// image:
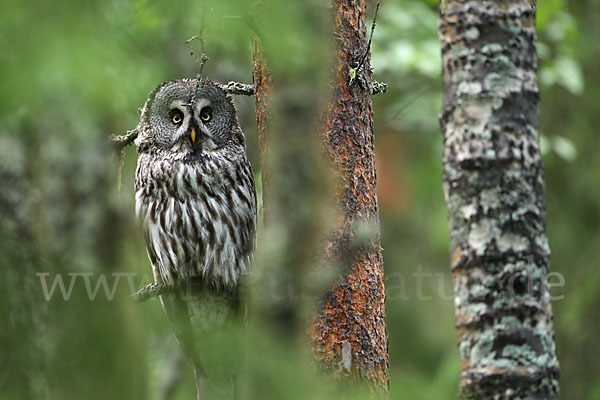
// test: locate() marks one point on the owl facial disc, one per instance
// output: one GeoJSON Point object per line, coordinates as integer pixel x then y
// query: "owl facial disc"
{"type": "Point", "coordinates": [187, 118]}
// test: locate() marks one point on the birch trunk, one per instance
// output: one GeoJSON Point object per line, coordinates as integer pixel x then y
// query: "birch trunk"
{"type": "Point", "coordinates": [494, 189]}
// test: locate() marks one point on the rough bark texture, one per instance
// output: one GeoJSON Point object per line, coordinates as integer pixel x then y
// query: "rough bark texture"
{"type": "Point", "coordinates": [494, 188]}
{"type": "Point", "coordinates": [350, 334]}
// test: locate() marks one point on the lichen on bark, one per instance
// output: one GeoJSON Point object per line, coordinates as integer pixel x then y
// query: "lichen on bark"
{"type": "Point", "coordinates": [494, 188]}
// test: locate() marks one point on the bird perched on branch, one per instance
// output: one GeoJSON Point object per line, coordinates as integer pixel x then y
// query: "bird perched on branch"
{"type": "Point", "coordinates": [196, 200]}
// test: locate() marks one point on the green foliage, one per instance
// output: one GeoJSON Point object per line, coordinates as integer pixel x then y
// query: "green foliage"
{"type": "Point", "coordinates": [558, 35]}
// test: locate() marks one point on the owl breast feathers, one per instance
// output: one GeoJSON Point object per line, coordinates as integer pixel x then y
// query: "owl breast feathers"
{"type": "Point", "coordinates": [195, 193]}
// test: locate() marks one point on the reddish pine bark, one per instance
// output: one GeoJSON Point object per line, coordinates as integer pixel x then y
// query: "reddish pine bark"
{"type": "Point", "coordinates": [350, 333]}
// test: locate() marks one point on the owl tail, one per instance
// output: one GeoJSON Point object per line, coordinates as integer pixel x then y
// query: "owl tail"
{"type": "Point", "coordinates": [202, 322]}
{"type": "Point", "coordinates": [177, 314]}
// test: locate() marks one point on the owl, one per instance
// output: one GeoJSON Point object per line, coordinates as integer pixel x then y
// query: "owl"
{"type": "Point", "coordinates": [194, 187]}
{"type": "Point", "coordinates": [195, 198]}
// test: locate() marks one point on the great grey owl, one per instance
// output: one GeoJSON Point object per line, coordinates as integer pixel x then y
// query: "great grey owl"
{"type": "Point", "coordinates": [195, 197]}
{"type": "Point", "coordinates": [194, 186]}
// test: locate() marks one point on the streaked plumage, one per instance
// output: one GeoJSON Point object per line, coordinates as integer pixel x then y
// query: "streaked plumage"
{"type": "Point", "coordinates": [197, 200]}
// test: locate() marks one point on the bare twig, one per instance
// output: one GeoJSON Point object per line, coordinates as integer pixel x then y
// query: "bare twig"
{"type": "Point", "coordinates": [203, 57]}
{"type": "Point", "coordinates": [356, 67]}
{"type": "Point", "coordinates": [192, 39]}
{"type": "Point", "coordinates": [362, 60]}
{"type": "Point", "coordinates": [408, 103]}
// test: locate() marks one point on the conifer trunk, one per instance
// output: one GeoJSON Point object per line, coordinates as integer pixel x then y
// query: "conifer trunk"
{"type": "Point", "coordinates": [350, 333]}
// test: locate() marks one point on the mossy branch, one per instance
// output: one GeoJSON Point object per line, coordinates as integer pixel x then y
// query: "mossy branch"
{"type": "Point", "coordinates": [122, 141]}
{"type": "Point", "coordinates": [238, 88]}
{"type": "Point", "coordinates": [151, 290]}
{"type": "Point", "coordinates": [189, 288]}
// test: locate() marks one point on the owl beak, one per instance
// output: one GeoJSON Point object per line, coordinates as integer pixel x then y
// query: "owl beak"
{"type": "Point", "coordinates": [193, 134]}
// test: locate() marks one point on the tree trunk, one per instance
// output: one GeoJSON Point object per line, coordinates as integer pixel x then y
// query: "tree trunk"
{"type": "Point", "coordinates": [261, 77]}
{"type": "Point", "coordinates": [494, 189]}
{"type": "Point", "coordinates": [350, 334]}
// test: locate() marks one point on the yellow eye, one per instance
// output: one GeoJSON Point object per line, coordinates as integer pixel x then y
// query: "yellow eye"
{"type": "Point", "coordinates": [205, 116]}
{"type": "Point", "coordinates": [176, 118]}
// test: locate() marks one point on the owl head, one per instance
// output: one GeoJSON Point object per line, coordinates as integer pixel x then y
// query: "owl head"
{"type": "Point", "coordinates": [185, 117]}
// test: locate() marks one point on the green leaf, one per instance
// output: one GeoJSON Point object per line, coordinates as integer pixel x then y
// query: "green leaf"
{"type": "Point", "coordinates": [565, 72]}
{"type": "Point", "coordinates": [564, 148]}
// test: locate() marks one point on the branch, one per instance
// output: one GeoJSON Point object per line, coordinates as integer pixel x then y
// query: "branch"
{"type": "Point", "coordinates": [242, 89]}
{"type": "Point", "coordinates": [238, 88]}
{"type": "Point", "coordinates": [235, 88]}
{"type": "Point", "coordinates": [187, 288]}
{"type": "Point", "coordinates": [151, 290]}
{"type": "Point", "coordinates": [120, 142]}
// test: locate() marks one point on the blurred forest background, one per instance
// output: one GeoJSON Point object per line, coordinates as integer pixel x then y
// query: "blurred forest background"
{"type": "Point", "coordinates": [73, 73]}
